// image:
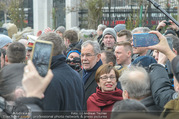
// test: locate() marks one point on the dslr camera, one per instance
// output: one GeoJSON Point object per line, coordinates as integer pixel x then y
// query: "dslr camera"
{"type": "Point", "coordinates": [75, 63]}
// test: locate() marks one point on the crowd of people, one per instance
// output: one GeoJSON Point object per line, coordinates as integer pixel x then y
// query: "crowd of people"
{"type": "Point", "coordinates": [105, 73]}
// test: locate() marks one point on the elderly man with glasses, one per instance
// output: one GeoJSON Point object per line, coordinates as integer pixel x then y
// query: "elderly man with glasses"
{"type": "Point", "coordinates": [90, 60]}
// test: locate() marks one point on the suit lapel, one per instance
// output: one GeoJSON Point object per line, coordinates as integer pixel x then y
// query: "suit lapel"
{"type": "Point", "coordinates": [90, 80]}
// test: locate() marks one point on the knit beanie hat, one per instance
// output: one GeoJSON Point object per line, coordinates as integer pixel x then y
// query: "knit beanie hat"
{"type": "Point", "coordinates": [4, 40]}
{"type": "Point", "coordinates": [61, 29]}
{"type": "Point", "coordinates": [119, 27]}
{"type": "Point", "coordinates": [110, 31]}
{"type": "Point", "coordinates": [144, 61]}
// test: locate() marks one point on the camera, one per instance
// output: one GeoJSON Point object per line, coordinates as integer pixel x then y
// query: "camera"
{"type": "Point", "coordinates": [167, 23]}
{"type": "Point", "coordinates": [75, 63]}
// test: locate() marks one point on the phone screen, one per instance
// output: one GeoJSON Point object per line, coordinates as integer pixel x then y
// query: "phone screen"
{"type": "Point", "coordinates": [145, 39]}
{"type": "Point", "coordinates": [41, 57]}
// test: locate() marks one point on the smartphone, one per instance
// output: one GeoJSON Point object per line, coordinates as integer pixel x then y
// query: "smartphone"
{"type": "Point", "coordinates": [167, 23]}
{"type": "Point", "coordinates": [41, 56]}
{"type": "Point", "coordinates": [145, 39]}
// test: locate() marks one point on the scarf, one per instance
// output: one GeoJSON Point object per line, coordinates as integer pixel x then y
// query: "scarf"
{"type": "Point", "coordinates": [102, 99]}
{"type": "Point", "coordinates": [87, 73]}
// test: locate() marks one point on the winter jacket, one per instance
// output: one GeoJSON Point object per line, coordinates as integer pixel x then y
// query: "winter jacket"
{"type": "Point", "coordinates": [150, 104]}
{"type": "Point", "coordinates": [66, 90]}
{"type": "Point", "coordinates": [161, 87]}
{"type": "Point", "coordinates": [89, 81]}
{"type": "Point", "coordinates": [171, 110]}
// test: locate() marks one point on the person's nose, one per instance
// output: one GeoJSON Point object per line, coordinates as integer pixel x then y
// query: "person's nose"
{"type": "Point", "coordinates": [108, 79]}
{"type": "Point", "coordinates": [83, 57]}
{"type": "Point", "coordinates": [132, 43]}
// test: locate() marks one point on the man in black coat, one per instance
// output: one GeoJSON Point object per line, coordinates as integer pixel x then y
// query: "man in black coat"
{"type": "Point", "coordinates": [90, 60]}
{"type": "Point", "coordinates": [161, 87]}
{"type": "Point", "coordinates": [66, 90]}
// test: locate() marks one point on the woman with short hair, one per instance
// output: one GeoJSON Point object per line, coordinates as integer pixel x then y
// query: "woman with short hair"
{"type": "Point", "coordinates": [106, 93]}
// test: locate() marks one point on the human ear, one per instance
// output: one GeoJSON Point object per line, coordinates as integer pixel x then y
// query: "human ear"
{"type": "Point", "coordinates": [174, 51]}
{"type": "Point", "coordinates": [19, 92]}
{"type": "Point", "coordinates": [125, 95]}
{"type": "Point", "coordinates": [111, 63]}
{"type": "Point", "coordinates": [99, 85]}
{"type": "Point", "coordinates": [98, 57]}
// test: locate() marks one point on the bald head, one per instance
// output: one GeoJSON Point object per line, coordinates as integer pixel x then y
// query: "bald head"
{"type": "Point", "coordinates": [136, 82]}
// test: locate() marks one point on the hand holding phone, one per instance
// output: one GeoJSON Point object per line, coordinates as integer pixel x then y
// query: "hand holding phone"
{"type": "Point", "coordinates": [32, 79]}
{"type": "Point", "coordinates": [145, 40]}
{"type": "Point", "coordinates": [162, 46]}
{"type": "Point", "coordinates": [41, 56]}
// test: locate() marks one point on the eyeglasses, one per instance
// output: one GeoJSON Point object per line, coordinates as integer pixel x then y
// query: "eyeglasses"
{"type": "Point", "coordinates": [88, 55]}
{"type": "Point", "coordinates": [105, 78]}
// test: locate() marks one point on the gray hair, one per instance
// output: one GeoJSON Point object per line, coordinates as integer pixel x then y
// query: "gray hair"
{"type": "Point", "coordinates": [141, 29]}
{"type": "Point", "coordinates": [76, 29]}
{"type": "Point", "coordinates": [128, 105]}
{"type": "Point", "coordinates": [137, 87]}
{"type": "Point", "coordinates": [101, 27]}
{"type": "Point", "coordinates": [95, 45]}
{"type": "Point", "coordinates": [56, 40]}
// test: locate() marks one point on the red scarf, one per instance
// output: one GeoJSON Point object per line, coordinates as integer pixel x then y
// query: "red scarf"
{"type": "Point", "coordinates": [103, 99]}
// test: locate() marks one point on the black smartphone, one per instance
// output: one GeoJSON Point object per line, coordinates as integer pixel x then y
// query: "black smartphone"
{"type": "Point", "coordinates": [41, 56]}
{"type": "Point", "coordinates": [145, 40]}
{"type": "Point", "coordinates": [167, 23]}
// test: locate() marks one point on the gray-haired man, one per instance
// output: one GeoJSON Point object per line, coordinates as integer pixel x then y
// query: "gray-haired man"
{"type": "Point", "coordinates": [90, 60]}
{"type": "Point", "coordinates": [135, 83]}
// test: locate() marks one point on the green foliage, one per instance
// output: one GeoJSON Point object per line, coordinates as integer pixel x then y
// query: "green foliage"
{"type": "Point", "coordinates": [4, 5]}
{"type": "Point", "coordinates": [154, 27]}
{"type": "Point", "coordinates": [16, 13]}
{"type": "Point", "coordinates": [94, 13]}
{"type": "Point", "coordinates": [174, 16]}
{"type": "Point", "coordinates": [129, 22]}
{"type": "Point", "coordinates": [133, 20]}
{"type": "Point", "coordinates": [137, 18]}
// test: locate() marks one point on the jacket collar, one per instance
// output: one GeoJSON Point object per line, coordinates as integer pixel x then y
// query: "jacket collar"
{"type": "Point", "coordinates": [56, 60]}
